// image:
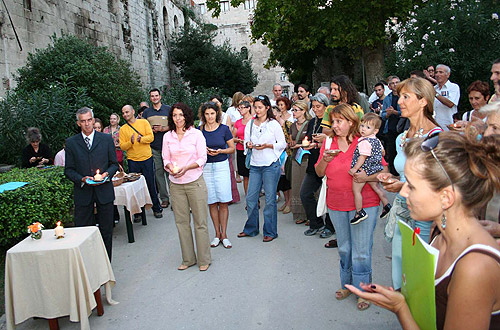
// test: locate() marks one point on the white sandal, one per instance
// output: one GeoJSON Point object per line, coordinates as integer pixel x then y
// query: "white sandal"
{"type": "Point", "coordinates": [215, 242]}
{"type": "Point", "coordinates": [226, 243]}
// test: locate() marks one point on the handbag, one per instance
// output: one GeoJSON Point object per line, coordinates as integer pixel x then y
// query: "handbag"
{"type": "Point", "coordinates": [249, 151]}
{"type": "Point", "coordinates": [322, 209]}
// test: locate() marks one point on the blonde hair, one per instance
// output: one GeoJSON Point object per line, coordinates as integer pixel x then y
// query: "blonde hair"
{"type": "Point", "coordinates": [372, 118]}
{"type": "Point", "coordinates": [302, 105]}
{"type": "Point", "coordinates": [423, 89]}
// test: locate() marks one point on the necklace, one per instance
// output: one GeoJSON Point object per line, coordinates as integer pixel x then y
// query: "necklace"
{"type": "Point", "coordinates": [418, 134]}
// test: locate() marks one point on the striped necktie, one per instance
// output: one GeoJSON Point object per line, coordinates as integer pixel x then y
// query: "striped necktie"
{"type": "Point", "coordinates": [87, 141]}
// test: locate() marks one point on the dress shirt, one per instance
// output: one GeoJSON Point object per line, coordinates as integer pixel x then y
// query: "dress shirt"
{"type": "Point", "coordinates": [271, 132]}
{"type": "Point", "coordinates": [91, 137]}
{"type": "Point", "coordinates": [192, 148]}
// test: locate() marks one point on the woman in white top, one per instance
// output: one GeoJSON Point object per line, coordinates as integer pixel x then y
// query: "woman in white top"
{"type": "Point", "coordinates": [265, 140]}
{"type": "Point", "coordinates": [449, 177]}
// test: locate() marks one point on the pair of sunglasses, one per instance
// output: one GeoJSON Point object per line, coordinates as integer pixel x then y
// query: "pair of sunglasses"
{"type": "Point", "coordinates": [429, 144]}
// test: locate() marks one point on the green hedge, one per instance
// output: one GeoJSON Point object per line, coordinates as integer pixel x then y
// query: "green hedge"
{"type": "Point", "coordinates": [48, 198]}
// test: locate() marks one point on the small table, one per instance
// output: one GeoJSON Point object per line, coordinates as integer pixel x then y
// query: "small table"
{"type": "Point", "coordinates": [51, 278]}
{"type": "Point", "coordinates": [134, 196]}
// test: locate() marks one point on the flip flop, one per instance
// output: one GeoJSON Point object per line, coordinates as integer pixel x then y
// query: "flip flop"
{"type": "Point", "coordinates": [215, 242]}
{"type": "Point", "coordinates": [226, 243]}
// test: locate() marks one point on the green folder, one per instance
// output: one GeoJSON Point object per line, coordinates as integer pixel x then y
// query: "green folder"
{"type": "Point", "coordinates": [419, 270]}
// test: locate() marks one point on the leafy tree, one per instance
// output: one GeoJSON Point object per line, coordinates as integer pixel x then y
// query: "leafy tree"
{"type": "Point", "coordinates": [51, 110]}
{"type": "Point", "coordinates": [203, 64]}
{"type": "Point", "coordinates": [300, 32]}
{"type": "Point", "coordinates": [463, 34]}
{"type": "Point", "coordinates": [109, 82]}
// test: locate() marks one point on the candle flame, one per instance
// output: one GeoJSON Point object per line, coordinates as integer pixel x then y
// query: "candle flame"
{"type": "Point", "coordinates": [58, 223]}
{"type": "Point", "coordinates": [97, 172]}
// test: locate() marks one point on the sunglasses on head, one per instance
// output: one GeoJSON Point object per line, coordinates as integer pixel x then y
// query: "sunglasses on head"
{"type": "Point", "coordinates": [261, 97]}
{"type": "Point", "coordinates": [429, 144]}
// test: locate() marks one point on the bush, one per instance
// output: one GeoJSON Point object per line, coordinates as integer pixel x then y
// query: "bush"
{"type": "Point", "coordinates": [179, 92]}
{"type": "Point", "coordinates": [110, 82]}
{"type": "Point", "coordinates": [48, 198]}
{"type": "Point", "coordinates": [52, 110]}
{"type": "Point", "coordinates": [462, 34]}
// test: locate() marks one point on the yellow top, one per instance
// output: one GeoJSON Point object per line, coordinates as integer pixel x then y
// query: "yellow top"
{"type": "Point", "coordinates": [326, 117]}
{"type": "Point", "coordinates": [137, 151]}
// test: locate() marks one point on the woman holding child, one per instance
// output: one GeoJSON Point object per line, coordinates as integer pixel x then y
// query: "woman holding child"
{"type": "Point", "coordinates": [354, 241]}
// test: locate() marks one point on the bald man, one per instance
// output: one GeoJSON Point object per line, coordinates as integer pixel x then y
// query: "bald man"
{"type": "Point", "coordinates": [135, 138]}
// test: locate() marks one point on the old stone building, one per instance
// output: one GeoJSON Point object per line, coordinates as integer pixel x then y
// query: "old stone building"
{"type": "Point", "coordinates": [234, 25]}
{"type": "Point", "coordinates": [136, 30]}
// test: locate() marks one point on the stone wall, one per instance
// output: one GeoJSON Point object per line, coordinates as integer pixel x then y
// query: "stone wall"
{"type": "Point", "coordinates": [234, 26]}
{"type": "Point", "coordinates": [136, 30]}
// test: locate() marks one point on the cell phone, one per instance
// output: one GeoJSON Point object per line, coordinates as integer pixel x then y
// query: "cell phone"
{"type": "Point", "coordinates": [211, 150]}
{"type": "Point", "coordinates": [257, 145]}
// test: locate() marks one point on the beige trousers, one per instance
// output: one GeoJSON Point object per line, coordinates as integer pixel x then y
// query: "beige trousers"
{"type": "Point", "coordinates": [192, 196]}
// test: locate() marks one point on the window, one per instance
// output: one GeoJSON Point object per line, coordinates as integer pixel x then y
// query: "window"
{"type": "Point", "coordinates": [244, 52]}
{"type": "Point", "coordinates": [165, 23]}
{"type": "Point", "coordinates": [27, 4]}
{"type": "Point", "coordinates": [176, 24]}
{"type": "Point", "coordinates": [283, 76]}
{"type": "Point", "coordinates": [249, 4]}
{"type": "Point", "coordinates": [224, 6]}
{"type": "Point", "coordinates": [203, 8]}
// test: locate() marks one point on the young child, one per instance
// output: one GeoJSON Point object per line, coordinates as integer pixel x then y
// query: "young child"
{"type": "Point", "coordinates": [368, 157]}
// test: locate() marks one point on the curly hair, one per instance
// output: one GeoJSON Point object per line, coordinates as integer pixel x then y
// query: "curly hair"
{"type": "Point", "coordinates": [186, 112]}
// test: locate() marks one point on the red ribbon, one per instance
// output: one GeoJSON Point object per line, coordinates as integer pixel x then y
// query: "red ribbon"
{"type": "Point", "coordinates": [416, 231]}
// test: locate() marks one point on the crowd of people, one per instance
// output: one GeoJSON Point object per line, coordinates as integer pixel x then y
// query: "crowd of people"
{"type": "Point", "coordinates": [408, 140]}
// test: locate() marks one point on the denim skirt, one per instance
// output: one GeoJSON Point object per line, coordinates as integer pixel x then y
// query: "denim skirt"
{"type": "Point", "coordinates": [218, 179]}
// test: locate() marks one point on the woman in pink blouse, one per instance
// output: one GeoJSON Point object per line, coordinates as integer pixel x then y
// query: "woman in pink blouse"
{"type": "Point", "coordinates": [184, 155]}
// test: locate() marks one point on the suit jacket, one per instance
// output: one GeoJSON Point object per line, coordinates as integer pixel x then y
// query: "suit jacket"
{"type": "Point", "coordinates": [81, 162]}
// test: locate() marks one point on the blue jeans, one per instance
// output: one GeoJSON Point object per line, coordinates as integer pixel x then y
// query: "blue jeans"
{"type": "Point", "coordinates": [355, 245]}
{"type": "Point", "coordinates": [146, 167]}
{"type": "Point", "coordinates": [267, 176]}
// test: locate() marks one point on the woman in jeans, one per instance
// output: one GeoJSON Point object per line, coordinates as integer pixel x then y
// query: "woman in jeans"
{"type": "Point", "coordinates": [216, 171]}
{"type": "Point", "coordinates": [354, 242]}
{"type": "Point", "coordinates": [416, 101]}
{"type": "Point", "coordinates": [184, 155]}
{"type": "Point", "coordinates": [264, 138]}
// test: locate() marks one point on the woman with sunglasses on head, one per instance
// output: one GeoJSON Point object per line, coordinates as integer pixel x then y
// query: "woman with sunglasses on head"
{"type": "Point", "coordinates": [298, 132]}
{"type": "Point", "coordinates": [449, 177]}
{"type": "Point", "coordinates": [265, 140]}
{"type": "Point", "coordinates": [416, 99]}
{"type": "Point", "coordinates": [216, 172]}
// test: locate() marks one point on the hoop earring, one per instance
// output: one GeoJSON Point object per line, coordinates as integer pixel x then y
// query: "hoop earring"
{"type": "Point", "coordinates": [443, 221]}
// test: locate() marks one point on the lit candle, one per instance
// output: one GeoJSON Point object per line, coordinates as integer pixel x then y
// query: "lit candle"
{"type": "Point", "coordinates": [175, 168]}
{"type": "Point", "coordinates": [59, 231]}
{"type": "Point", "coordinates": [305, 142]}
{"type": "Point", "coordinates": [97, 176]}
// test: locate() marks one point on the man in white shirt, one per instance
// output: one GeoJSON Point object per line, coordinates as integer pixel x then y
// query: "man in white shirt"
{"type": "Point", "coordinates": [447, 97]}
{"type": "Point", "coordinates": [277, 91]}
{"type": "Point", "coordinates": [495, 79]}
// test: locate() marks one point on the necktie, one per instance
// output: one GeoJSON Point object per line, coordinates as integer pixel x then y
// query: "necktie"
{"type": "Point", "coordinates": [87, 141]}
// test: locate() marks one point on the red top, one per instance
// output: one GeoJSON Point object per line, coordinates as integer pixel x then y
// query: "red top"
{"type": "Point", "coordinates": [339, 196]}
{"type": "Point", "coordinates": [240, 133]}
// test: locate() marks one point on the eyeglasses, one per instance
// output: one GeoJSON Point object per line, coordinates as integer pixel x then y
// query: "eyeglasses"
{"type": "Point", "coordinates": [429, 144]}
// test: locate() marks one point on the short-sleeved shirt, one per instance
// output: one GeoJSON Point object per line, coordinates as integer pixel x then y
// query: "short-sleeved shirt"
{"type": "Point", "coordinates": [444, 115]}
{"type": "Point", "coordinates": [217, 140]}
{"type": "Point", "coordinates": [358, 110]}
{"type": "Point", "coordinates": [240, 133]}
{"type": "Point", "coordinates": [150, 112]}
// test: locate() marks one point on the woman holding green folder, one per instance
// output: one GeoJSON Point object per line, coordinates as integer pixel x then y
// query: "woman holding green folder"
{"type": "Point", "coordinates": [449, 177]}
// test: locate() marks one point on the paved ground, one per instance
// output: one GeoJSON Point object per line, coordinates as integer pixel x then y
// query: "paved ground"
{"type": "Point", "coordinates": [286, 284]}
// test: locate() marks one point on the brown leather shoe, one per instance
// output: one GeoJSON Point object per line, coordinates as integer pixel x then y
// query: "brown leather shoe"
{"type": "Point", "coordinates": [267, 239]}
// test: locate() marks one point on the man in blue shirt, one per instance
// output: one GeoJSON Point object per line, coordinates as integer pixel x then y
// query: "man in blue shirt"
{"type": "Point", "coordinates": [161, 112]}
{"type": "Point", "coordinates": [390, 114]}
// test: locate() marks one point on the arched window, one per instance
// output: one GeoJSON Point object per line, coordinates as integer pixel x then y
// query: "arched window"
{"type": "Point", "coordinates": [165, 23]}
{"type": "Point", "coordinates": [244, 52]}
{"type": "Point", "coordinates": [176, 24]}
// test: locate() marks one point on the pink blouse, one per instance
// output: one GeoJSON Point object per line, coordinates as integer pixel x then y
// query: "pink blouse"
{"type": "Point", "coordinates": [240, 133]}
{"type": "Point", "coordinates": [192, 148]}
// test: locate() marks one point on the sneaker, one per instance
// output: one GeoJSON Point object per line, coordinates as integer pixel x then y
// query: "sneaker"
{"type": "Point", "coordinates": [360, 216]}
{"type": "Point", "coordinates": [385, 211]}
{"type": "Point", "coordinates": [312, 232]}
{"type": "Point", "coordinates": [326, 233]}
{"type": "Point", "coordinates": [137, 218]}
{"type": "Point", "coordinates": [158, 215]}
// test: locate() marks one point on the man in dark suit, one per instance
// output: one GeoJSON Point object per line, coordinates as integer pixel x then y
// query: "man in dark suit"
{"type": "Point", "coordinates": [86, 153]}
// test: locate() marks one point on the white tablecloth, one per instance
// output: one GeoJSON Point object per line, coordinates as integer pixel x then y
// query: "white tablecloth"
{"type": "Point", "coordinates": [133, 195]}
{"type": "Point", "coordinates": [51, 277]}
